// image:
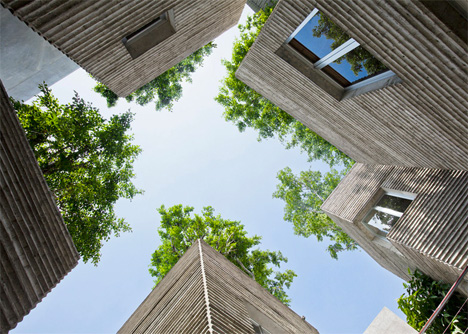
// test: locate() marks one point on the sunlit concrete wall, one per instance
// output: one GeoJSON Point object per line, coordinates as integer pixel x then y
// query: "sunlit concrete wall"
{"type": "Point", "coordinates": [27, 60]}
{"type": "Point", "coordinates": [387, 322]}
{"type": "Point", "coordinates": [432, 233]}
{"type": "Point", "coordinates": [205, 293]}
{"type": "Point", "coordinates": [420, 122]}
{"type": "Point", "coordinates": [91, 32]}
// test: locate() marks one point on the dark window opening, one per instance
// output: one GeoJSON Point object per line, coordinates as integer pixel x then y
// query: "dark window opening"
{"type": "Point", "coordinates": [150, 34]}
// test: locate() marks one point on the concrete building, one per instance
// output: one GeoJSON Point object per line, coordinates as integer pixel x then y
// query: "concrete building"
{"type": "Point", "coordinates": [205, 293]}
{"type": "Point", "coordinates": [411, 111]}
{"type": "Point", "coordinates": [387, 322]}
{"type": "Point", "coordinates": [36, 250]}
{"type": "Point", "coordinates": [406, 217]}
{"type": "Point", "coordinates": [126, 44]}
{"type": "Point", "coordinates": [27, 60]}
{"type": "Point", "coordinates": [256, 5]}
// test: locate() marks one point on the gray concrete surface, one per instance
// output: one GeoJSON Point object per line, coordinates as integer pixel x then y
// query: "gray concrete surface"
{"type": "Point", "coordinates": [387, 322]}
{"type": "Point", "coordinates": [26, 59]}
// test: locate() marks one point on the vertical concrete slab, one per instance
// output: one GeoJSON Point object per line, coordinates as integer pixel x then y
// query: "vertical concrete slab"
{"type": "Point", "coordinates": [387, 322]}
{"type": "Point", "coordinates": [27, 60]}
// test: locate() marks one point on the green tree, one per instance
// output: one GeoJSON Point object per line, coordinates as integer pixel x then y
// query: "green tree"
{"type": "Point", "coordinates": [166, 88]}
{"type": "Point", "coordinates": [87, 163]}
{"type": "Point", "coordinates": [423, 296]}
{"type": "Point", "coordinates": [304, 195]}
{"type": "Point", "coordinates": [179, 229]}
{"type": "Point", "coordinates": [246, 108]}
{"type": "Point", "coordinates": [358, 58]}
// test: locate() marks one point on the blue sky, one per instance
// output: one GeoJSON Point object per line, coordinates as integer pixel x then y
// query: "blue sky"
{"type": "Point", "coordinates": [193, 157]}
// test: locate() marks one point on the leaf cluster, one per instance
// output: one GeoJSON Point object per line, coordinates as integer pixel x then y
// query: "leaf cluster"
{"type": "Point", "coordinates": [87, 163]}
{"type": "Point", "coordinates": [304, 195]}
{"type": "Point", "coordinates": [166, 89]}
{"type": "Point", "coordinates": [247, 109]}
{"type": "Point", "coordinates": [423, 295]}
{"type": "Point", "coordinates": [179, 229]}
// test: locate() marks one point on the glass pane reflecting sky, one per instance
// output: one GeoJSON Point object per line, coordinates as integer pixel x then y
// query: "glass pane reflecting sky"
{"type": "Point", "coordinates": [320, 46]}
{"type": "Point", "coordinates": [383, 221]}
{"type": "Point", "coordinates": [344, 68]}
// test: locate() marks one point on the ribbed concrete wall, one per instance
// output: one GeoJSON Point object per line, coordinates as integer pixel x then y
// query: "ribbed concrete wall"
{"type": "Point", "coordinates": [36, 250]}
{"type": "Point", "coordinates": [432, 235]}
{"type": "Point", "coordinates": [91, 32]}
{"type": "Point", "coordinates": [437, 222]}
{"type": "Point", "coordinates": [256, 5]}
{"type": "Point", "coordinates": [421, 122]}
{"type": "Point", "coordinates": [205, 293]}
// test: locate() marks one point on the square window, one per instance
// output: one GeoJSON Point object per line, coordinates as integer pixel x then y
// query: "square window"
{"type": "Point", "coordinates": [329, 50]}
{"type": "Point", "coordinates": [150, 35]}
{"type": "Point", "coordinates": [387, 211]}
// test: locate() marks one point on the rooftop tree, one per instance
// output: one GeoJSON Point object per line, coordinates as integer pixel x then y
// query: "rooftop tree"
{"type": "Point", "coordinates": [246, 108]}
{"type": "Point", "coordinates": [304, 194]}
{"type": "Point", "coordinates": [87, 162]}
{"type": "Point", "coordinates": [179, 229]}
{"type": "Point", "coordinates": [423, 295]}
{"type": "Point", "coordinates": [166, 88]}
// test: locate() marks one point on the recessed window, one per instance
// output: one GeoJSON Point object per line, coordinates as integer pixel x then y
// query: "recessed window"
{"type": "Point", "coordinates": [150, 35]}
{"type": "Point", "coordinates": [387, 211]}
{"type": "Point", "coordinates": [332, 52]}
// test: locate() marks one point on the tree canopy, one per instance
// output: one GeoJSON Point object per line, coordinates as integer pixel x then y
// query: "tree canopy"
{"type": "Point", "coordinates": [358, 58]}
{"type": "Point", "coordinates": [304, 195]}
{"type": "Point", "coordinates": [246, 108]}
{"type": "Point", "coordinates": [179, 229]}
{"type": "Point", "coordinates": [166, 88]}
{"type": "Point", "coordinates": [87, 163]}
{"type": "Point", "coordinates": [423, 295]}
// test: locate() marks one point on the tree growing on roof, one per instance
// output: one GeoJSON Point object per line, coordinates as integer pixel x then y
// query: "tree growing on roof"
{"type": "Point", "coordinates": [248, 109]}
{"type": "Point", "coordinates": [423, 295]}
{"type": "Point", "coordinates": [304, 194]}
{"type": "Point", "coordinates": [87, 162]}
{"type": "Point", "coordinates": [179, 229]}
{"type": "Point", "coordinates": [166, 88]}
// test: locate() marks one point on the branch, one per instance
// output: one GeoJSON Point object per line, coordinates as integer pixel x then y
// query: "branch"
{"type": "Point", "coordinates": [246, 270]}
{"type": "Point", "coordinates": [175, 249]}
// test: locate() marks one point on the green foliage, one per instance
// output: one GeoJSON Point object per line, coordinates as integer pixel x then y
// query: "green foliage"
{"type": "Point", "coordinates": [423, 296]}
{"type": "Point", "coordinates": [179, 229]}
{"type": "Point", "coordinates": [246, 108]}
{"type": "Point", "coordinates": [166, 88]}
{"type": "Point", "coordinates": [358, 58]}
{"type": "Point", "coordinates": [304, 195]}
{"type": "Point", "coordinates": [87, 163]}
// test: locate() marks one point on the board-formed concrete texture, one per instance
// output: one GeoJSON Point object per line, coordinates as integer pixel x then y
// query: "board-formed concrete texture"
{"type": "Point", "coordinates": [432, 233]}
{"type": "Point", "coordinates": [205, 293]}
{"type": "Point", "coordinates": [27, 60]}
{"type": "Point", "coordinates": [387, 322]}
{"type": "Point", "coordinates": [420, 122]}
{"type": "Point", "coordinates": [36, 250]}
{"type": "Point", "coordinates": [257, 5]}
{"type": "Point", "coordinates": [91, 32]}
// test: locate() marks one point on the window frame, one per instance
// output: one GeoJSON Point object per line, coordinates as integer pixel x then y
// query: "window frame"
{"type": "Point", "coordinates": [389, 192]}
{"type": "Point", "coordinates": [328, 81]}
